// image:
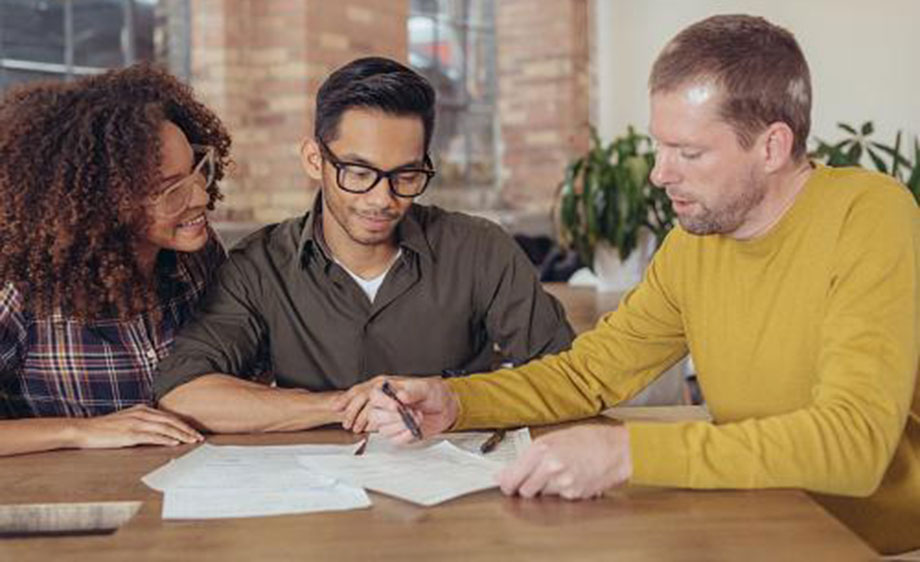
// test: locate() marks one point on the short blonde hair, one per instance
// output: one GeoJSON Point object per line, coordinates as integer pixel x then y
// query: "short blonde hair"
{"type": "Point", "coordinates": [759, 67]}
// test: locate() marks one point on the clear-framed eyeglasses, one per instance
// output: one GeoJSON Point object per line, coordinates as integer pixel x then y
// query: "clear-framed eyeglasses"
{"type": "Point", "coordinates": [405, 181]}
{"type": "Point", "coordinates": [174, 198]}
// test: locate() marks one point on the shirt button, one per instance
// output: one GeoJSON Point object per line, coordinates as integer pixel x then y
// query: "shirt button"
{"type": "Point", "coordinates": [151, 354]}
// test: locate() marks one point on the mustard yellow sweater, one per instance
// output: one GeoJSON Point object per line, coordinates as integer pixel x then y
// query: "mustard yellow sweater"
{"type": "Point", "coordinates": [806, 346]}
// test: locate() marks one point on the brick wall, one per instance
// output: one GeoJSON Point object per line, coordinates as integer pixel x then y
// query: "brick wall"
{"type": "Point", "coordinates": [543, 92]}
{"type": "Point", "coordinates": [258, 63]}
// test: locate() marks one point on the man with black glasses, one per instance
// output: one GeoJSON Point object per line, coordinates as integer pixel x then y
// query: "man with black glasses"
{"type": "Point", "coordinates": [365, 283]}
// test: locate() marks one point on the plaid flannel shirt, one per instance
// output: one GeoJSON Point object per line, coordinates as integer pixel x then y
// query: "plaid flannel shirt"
{"type": "Point", "coordinates": [58, 366]}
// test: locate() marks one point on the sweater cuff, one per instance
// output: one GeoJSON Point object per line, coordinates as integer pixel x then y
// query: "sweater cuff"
{"type": "Point", "coordinates": [659, 454]}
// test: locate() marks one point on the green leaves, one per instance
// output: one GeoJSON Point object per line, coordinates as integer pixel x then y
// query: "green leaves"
{"type": "Point", "coordinates": [913, 181]}
{"type": "Point", "coordinates": [606, 195]}
{"type": "Point", "coordinates": [886, 159]}
{"type": "Point", "coordinates": [877, 161]}
{"type": "Point", "coordinates": [848, 128]}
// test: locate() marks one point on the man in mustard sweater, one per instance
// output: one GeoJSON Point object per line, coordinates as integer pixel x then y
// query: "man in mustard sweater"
{"type": "Point", "coordinates": [793, 286]}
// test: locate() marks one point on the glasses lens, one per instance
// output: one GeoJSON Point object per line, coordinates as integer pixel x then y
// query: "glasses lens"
{"type": "Point", "coordinates": [410, 182]}
{"type": "Point", "coordinates": [176, 199]}
{"type": "Point", "coordinates": [356, 178]}
{"type": "Point", "coordinates": [204, 166]}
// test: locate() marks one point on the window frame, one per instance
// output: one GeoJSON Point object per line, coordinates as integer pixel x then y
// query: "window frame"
{"type": "Point", "coordinates": [67, 70]}
{"type": "Point", "coordinates": [456, 15]}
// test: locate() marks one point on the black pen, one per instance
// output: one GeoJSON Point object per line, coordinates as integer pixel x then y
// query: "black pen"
{"type": "Point", "coordinates": [403, 412]}
{"type": "Point", "coordinates": [492, 441]}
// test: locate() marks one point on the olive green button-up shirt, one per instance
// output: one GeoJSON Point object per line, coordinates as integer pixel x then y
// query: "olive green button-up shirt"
{"type": "Point", "coordinates": [460, 286]}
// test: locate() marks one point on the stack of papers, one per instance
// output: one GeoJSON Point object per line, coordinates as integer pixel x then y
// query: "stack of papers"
{"type": "Point", "coordinates": [507, 450]}
{"type": "Point", "coordinates": [426, 476]}
{"type": "Point", "coordinates": [215, 482]}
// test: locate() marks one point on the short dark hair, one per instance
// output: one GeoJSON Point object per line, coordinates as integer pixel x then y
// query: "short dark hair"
{"type": "Point", "coordinates": [758, 65]}
{"type": "Point", "coordinates": [373, 83]}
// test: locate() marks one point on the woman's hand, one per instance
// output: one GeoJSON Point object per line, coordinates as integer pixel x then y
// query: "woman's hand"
{"type": "Point", "coordinates": [137, 425]}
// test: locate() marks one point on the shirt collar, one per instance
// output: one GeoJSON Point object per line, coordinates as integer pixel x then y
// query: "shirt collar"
{"type": "Point", "coordinates": [412, 236]}
{"type": "Point", "coordinates": [409, 233]}
{"type": "Point", "coordinates": [309, 241]}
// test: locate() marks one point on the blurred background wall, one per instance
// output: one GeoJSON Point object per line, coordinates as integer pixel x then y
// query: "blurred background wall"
{"type": "Point", "coordinates": [862, 57]}
{"type": "Point", "coordinates": [519, 81]}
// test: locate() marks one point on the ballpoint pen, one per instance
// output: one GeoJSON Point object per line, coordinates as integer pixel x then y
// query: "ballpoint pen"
{"type": "Point", "coordinates": [492, 441]}
{"type": "Point", "coordinates": [403, 412]}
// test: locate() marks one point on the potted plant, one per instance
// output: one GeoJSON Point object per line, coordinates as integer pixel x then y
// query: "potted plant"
{"type": "Point", "coordinates": [851, 150]}
{"type": "Point", "coordinates": [609, 211]}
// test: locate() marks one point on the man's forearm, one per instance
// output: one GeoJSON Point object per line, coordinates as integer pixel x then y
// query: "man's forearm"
{"type": "Point", "coordinates": [226, 404]}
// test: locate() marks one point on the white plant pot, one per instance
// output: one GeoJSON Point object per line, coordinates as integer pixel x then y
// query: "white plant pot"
{"type": "Point", "coordinates": [614, 274]}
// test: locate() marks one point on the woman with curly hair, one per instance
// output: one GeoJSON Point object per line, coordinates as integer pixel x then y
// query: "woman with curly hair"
{"type": "Point", "coordinates": [105, 250]}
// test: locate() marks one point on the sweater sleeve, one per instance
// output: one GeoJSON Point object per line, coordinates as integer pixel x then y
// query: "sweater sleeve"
{"type": "Point", "coordinates": [625, 352]}
{"type": "Point", "coordinates": [843, 441]}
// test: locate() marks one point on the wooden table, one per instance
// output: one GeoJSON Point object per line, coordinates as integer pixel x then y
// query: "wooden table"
{"type": "Point", "coordinates": [628, 524]}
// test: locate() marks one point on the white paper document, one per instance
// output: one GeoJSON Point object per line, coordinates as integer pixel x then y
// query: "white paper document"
{"type": "Point", "coordinates": [203, 503]}
{"type": "Point", "coordinates": [214, 466]}
{"type": "Point", "coordinates": [426, 476]}
{"type": "Point", "coordinates": [508, 449]}
{"type": "Point", "coordinates": [230, 481]}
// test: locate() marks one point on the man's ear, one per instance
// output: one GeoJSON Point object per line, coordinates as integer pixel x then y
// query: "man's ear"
{"type": "Point", "coordinates": [311, 159]}
{"type": "Point", "coordinates": [778, 146]}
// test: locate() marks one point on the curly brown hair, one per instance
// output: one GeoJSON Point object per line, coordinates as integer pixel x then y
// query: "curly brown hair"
{"type": "Point", "coordinates": [77, 162]}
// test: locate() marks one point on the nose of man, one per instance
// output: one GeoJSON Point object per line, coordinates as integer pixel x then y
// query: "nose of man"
{"type": "Point", "coordinates": [380, 198]}
{"type": "Point", "coordinates": [663, 173]}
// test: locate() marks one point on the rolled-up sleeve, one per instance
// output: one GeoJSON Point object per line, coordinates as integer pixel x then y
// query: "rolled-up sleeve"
{"type": "Point", "coordinates": [224, 335]}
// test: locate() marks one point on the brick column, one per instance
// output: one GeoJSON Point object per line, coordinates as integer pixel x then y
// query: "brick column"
{"type": "Point", "coordinates": [543, 92]}
{"type": "Point", "coordinates": [258, 63]}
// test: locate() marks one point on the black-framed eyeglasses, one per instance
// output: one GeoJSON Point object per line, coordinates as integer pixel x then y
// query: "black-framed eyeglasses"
{"type": "Point", "coordinates": [405, 181]}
